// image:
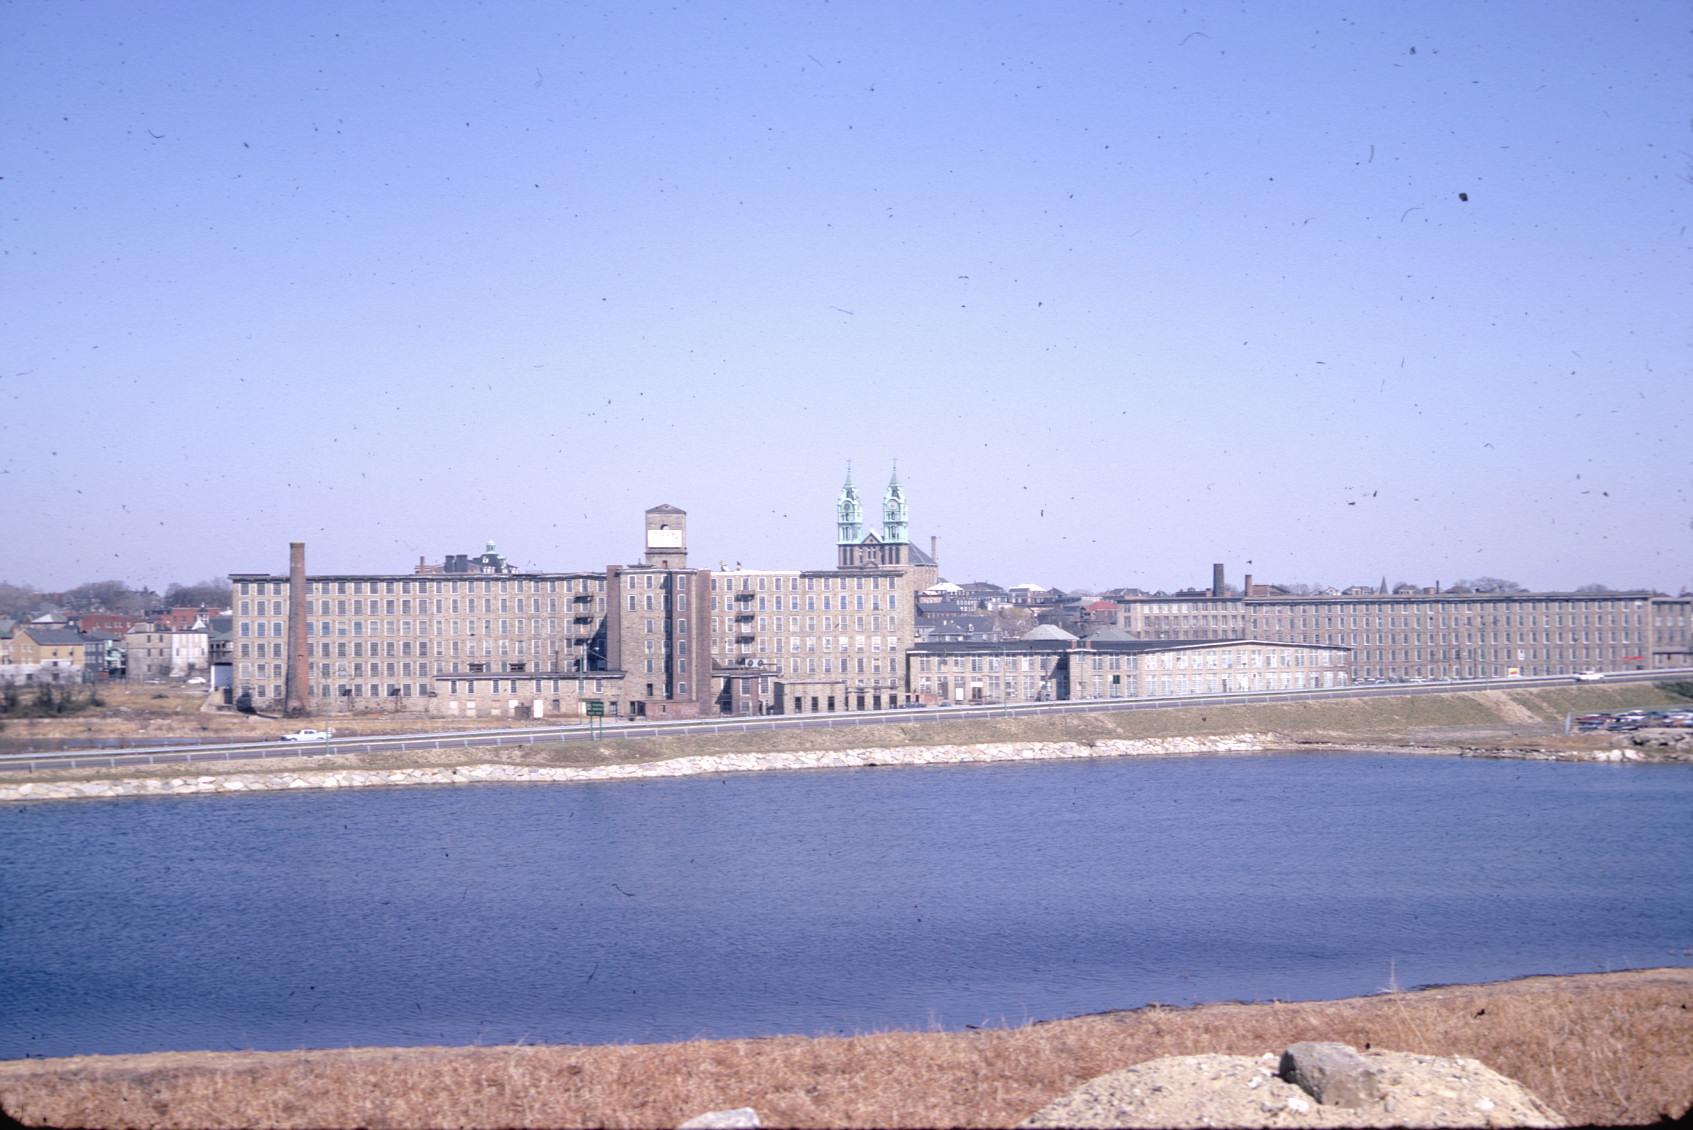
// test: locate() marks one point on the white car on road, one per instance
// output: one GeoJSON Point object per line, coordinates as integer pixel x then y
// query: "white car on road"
{"type": "Point", "coordinates": [309, 736]}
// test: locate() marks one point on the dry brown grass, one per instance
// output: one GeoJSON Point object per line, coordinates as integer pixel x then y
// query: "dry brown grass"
{"type": "Point", "coordinates": [144, 711]}
{"type": "Point", "coordinates": [1493, 717]}
{"type": "Point", "coordinates": [156, 711]}
{"type": "Point", "coordinates": [1609, 1048]}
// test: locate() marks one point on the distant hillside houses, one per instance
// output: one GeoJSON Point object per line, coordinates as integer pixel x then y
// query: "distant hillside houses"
{"type": "Point", "coordinates": [172, 644]}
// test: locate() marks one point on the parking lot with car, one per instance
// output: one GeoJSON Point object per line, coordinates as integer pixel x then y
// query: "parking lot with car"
{"type": "Point", "coordinates": [1622, 720]}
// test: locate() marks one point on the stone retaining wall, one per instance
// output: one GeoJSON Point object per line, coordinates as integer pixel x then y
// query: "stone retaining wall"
{"type": "Point", "coordinates": [674, 767]}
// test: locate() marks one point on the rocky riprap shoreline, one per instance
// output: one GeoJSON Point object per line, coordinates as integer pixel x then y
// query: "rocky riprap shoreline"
{"type": "Point", "coordinates": [1639, 748]}
{"type": "Point", "coordinates": [696, 765]}
{"type": "Point", "coordinates": [1636, 748]}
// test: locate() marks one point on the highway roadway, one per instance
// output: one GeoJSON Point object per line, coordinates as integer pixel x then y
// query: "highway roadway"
{"type": "Point", "coordinates": [178, 753]}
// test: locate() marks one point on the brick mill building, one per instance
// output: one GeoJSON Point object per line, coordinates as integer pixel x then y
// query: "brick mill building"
{"type": "Point", "coordinates": [476, 637]}
{"type": "Point", "coordinates": [1429, 634]}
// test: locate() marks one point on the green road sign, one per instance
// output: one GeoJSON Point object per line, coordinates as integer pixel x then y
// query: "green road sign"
{"type": "Point", "coordinates": [596, 708]}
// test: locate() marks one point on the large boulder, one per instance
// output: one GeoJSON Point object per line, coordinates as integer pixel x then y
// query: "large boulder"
{"type": "Point", "coordinates": [1333, 1074]}
{"type": "Point", "coordinates": [1222, 1090]}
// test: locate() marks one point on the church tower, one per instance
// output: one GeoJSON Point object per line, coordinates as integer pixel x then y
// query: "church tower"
{"type": "Point", "coordinates": [879, 547]}
{"type": "Point", "coordinates": [849, 514]}
{"type": "Point", "coordinates": [894, 519]}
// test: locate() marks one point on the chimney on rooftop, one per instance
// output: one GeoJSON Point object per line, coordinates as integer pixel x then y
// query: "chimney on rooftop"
{"type": "Point", "coordinates": [1246, 586]}
{"type": "Point", "coordinates": [298, 686]}
{"type": "Point", "coordinates": [934, 549]}
{"type": "Point", "coordinates": [1217, 579]}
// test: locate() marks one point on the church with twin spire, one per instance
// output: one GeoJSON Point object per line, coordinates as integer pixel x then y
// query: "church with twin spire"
{"type": "Point", "coordinates": [859, 548]}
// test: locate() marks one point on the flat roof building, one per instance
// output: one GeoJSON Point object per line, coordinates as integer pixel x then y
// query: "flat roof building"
{"type": "Point", "coordinates": [658, 638]}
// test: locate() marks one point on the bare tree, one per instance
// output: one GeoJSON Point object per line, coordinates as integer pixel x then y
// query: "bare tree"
{"type": "Point", "coordinates": [1595, 587]}
{"type": "Point", "coordinates": [19, 601]}
{"type": "Point", "coordinates": [212, 593]}
{"type": "Point", "coordinates": [105, 596]}
{"type": "Point", "coordinates": [1012, 621]}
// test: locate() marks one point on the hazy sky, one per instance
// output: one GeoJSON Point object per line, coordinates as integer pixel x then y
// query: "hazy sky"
{"type": "Point", "coordinates": [1126, 288]}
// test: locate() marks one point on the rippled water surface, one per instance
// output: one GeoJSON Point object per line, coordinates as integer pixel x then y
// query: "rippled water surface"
{"type": "Point", "coordinates": [828, 901]}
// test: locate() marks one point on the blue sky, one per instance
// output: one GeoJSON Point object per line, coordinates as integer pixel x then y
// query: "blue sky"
{"type": "Point", "coordinates": [1126, 289]}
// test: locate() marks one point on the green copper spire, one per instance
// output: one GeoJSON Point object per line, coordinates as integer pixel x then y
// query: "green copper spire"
{"type": "Point", "coordinates": [849, 514]}
{"type": "Point", "coordinates": [895, 521]}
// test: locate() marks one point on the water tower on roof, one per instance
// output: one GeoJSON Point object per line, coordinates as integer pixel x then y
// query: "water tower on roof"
{"type": "Point", "coordinates": [667, 537]}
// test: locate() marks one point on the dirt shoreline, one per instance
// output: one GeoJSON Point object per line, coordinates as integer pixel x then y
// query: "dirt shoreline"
{"type": "Point", "coordinates": [295, 773]}
{"type": "Point", "coordinates": [1521, 723]}
{"type": "Point", "coordinates": [1610, 1048]}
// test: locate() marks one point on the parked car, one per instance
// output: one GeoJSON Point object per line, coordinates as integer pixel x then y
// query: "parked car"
{"type": "Point", "coordinates": [1589, 676]}
{"type": "Point", "coordinates": [309, 736]}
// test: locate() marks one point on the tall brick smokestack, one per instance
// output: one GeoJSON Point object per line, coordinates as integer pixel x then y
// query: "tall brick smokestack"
{"type": "Point", "coordinates": [298, 687]}
{"type": "Point", "coordinates": [1246, 586]}
{"type": "Point", "coordinates": [934, 549]}
{"type": "Point", "coordinates": [1217, 580]}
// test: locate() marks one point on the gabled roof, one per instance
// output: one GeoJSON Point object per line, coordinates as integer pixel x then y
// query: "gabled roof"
{"type": "Point", "coordinates": [1048, 632]}
{"type": "Point", "coordinates": [52, 636]}
{"type": "Point", "coordinates": [919, 556]}
{"type": "Point", "coordinates": [967, 626]}
{"type": "Point", "coordinates": [1110, 634]}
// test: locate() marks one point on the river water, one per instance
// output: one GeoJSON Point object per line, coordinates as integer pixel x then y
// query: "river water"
{"type": "Point", "coordinates": [821, 902]}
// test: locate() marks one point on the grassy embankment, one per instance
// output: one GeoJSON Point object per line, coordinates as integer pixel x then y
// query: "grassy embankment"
{"type": "Point", "coordinates": [1602, 1049]}
{"type": "Point", "coordinates": [1503, 718]}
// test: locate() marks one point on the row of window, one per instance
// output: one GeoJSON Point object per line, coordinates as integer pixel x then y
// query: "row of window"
{"type": "Point", "coordinates": [1567, 636]}
{"type": "Point", "coordinates": [845, 665]}
{"type": "Point", "coordinates": [768, 604]}
{"type": "Point", "coordinates": [279, 586]}
{"type": "Point", "coordinates": [405, 607]}
{"type": "Point", "coordinates": [519, 686]}
{"type": "Point", "coordinates": [791, 583]}
{"type": "Point", "coordinates": [1210, 657]}
{"type": "Point", "coordinates": [320, 628]}
{"type": "Point", "coordinates": [1576, 614]}
{"type": "Point", "coordinates": [794, 645]}
{"type": "Point", "coordinates": [1468, 620]}
{"type": "Point", "coordinates": [1460, 655]}
{"type": "Point", "coordinates": [662, 604]}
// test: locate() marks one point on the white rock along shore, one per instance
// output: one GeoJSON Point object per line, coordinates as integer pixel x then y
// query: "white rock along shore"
{"type": "Point", "coordinates": [281, 780]}
{"type": "Point", "coordinates": [261, 780]}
